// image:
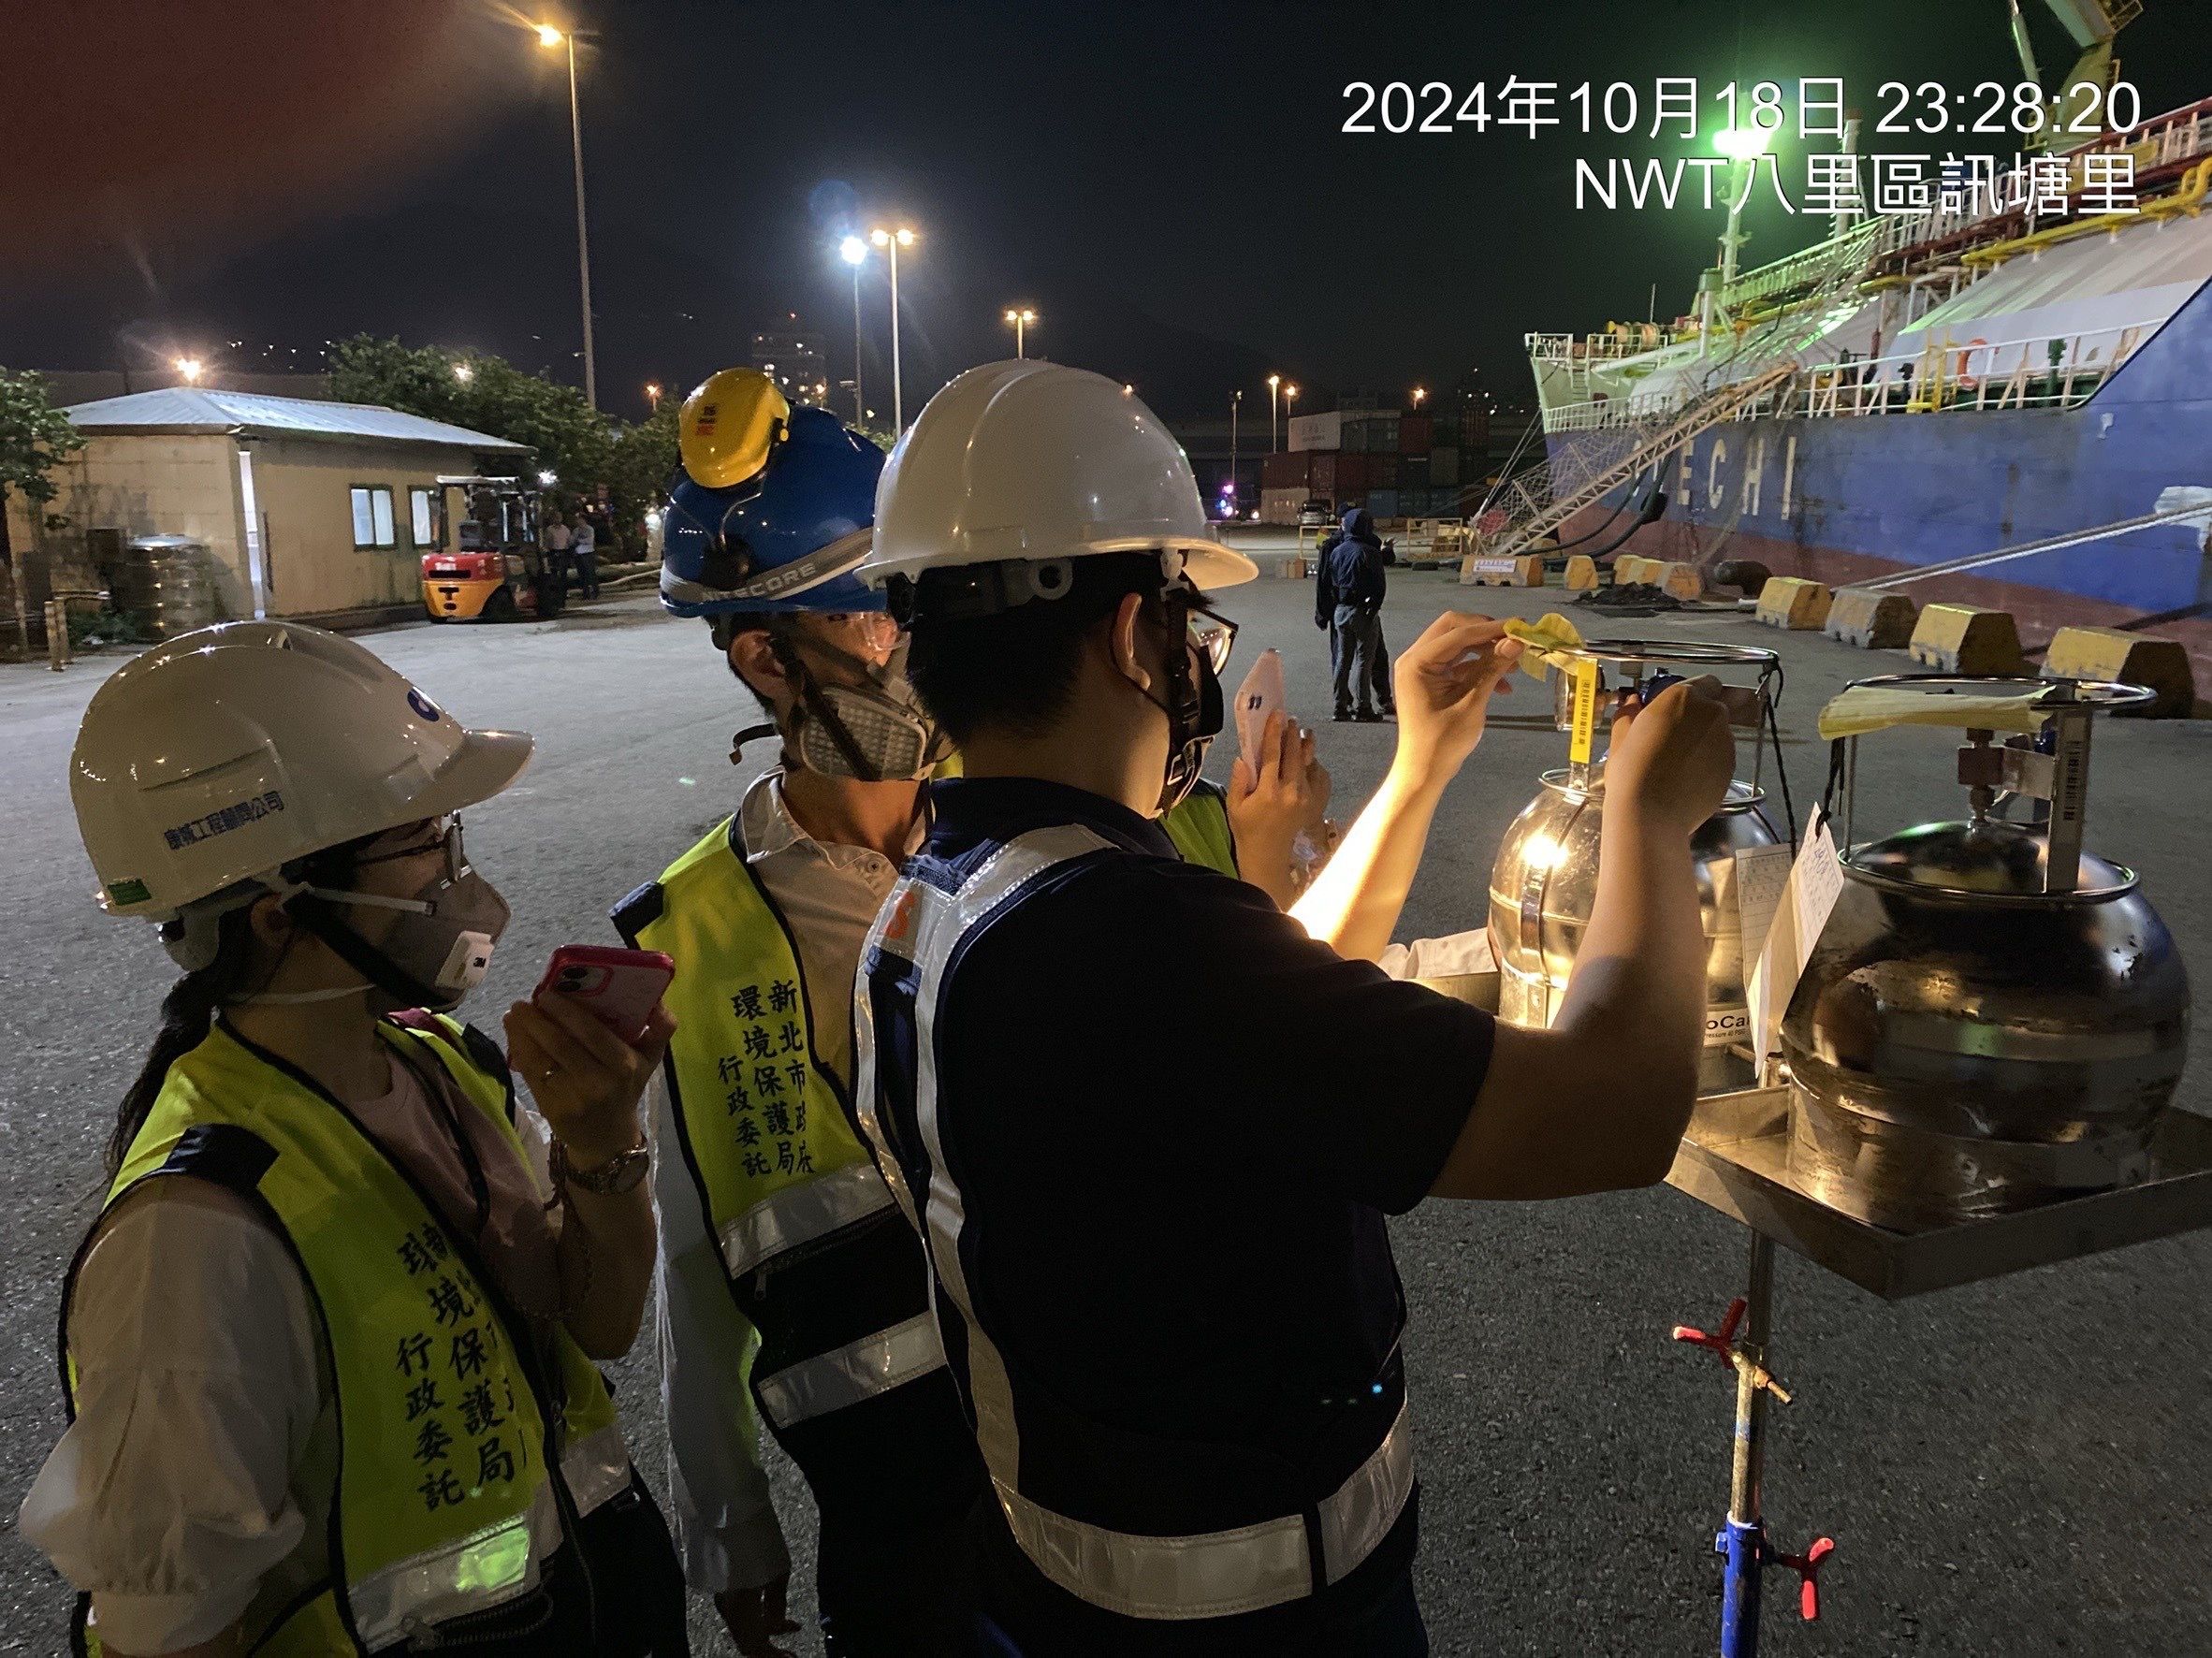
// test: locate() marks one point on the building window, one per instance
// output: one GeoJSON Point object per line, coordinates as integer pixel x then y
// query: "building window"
{"type": "Point", "coordinates": [373, 516]}
{"type": "Point", "coordinates": [422, 519]}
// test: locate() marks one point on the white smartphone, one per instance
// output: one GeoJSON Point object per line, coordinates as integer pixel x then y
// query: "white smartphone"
{"type": "Point", "coordinates": [1259, 696]}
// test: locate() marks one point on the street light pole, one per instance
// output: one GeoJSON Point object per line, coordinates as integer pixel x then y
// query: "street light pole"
{"type": "Point", "coordinates": [855, 252]}
{"type": "Point", "coordinates": [1236, 402]}
{"type": "Point", "coordinates": [891, 241]}
{"type": "Point", "coordinates": [1020, 317]}
{"type": "Point", "coordinates": [550, 36]}
{"type": "Point", "coordinates": [1274, 383]}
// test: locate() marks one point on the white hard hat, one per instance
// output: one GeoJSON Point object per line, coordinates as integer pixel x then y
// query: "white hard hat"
{"type": "Point", "coordinates": [230, 751]}
{"type": "Point", "coordinates": [1028, 461]}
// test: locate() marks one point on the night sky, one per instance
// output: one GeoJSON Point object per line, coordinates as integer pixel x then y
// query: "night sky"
{"type": "Point", "coordinates": [1167, 183]}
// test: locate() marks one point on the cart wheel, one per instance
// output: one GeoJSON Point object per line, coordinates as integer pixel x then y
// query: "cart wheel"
{"type": "Point", "coordinates": [501, 606]}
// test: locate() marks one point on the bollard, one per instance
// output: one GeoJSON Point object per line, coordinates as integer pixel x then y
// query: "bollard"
{"type": "Point", "coordinates": [1582, 573]}
{"type": "Point", "coordinates": [1633, 570]}
{"type": "Point", "coordinates": [2133, 659]}
{"type": "Point", "coordinates": [1525, 571]}
{"type": "Point", "coordinates": [1681, 581]}
{"type": "Point", "coordinates": [1794, 602]}
{"type": "Point", "coordinates": [1870, 619]}
{"type": "Point", "coordinates": [1966, 639]}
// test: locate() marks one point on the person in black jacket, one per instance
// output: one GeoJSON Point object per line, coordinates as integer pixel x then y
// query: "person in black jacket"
{"type": "Point", "coordinates": [1352, 585]}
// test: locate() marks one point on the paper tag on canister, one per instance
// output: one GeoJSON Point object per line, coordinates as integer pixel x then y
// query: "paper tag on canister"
{"type": "Point", "coordinates": [1800, 913]}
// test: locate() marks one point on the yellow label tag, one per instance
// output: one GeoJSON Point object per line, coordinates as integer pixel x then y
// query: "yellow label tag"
{"type": "Point", "coordinates": [1585, 730]}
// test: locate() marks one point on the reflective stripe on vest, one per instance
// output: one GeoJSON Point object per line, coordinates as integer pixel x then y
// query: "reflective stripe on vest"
{"type": "Point", "coordinates": [798, 1214]}
{"type": "Point", "coordinates": [861, 1370]}
{"type": "Point", "coordinates": [1209, 1575]}
{"type": "Point", "coordinates": [445, 1505]}
{"type": "Point", "coordinates": [777, 1168]}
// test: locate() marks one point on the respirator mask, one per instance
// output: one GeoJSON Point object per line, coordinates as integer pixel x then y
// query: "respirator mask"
{"type": "Point", "coordinates": [1194, 703]}
{"type": "Point", "coordinates": [437, 948]}
{"type": "Point", "coordinates": [874, 729]}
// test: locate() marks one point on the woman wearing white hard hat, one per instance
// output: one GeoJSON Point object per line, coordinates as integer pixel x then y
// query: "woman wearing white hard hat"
{"type": "Point", "coordinates": [328, 1348]}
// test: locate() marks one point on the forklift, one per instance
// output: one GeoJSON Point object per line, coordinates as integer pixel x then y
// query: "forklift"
{"type": "Point", "coordinates": [494, 569]}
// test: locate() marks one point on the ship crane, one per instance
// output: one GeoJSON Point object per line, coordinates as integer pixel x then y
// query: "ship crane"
{"type": "Point", "coordinates": [2094, 24]}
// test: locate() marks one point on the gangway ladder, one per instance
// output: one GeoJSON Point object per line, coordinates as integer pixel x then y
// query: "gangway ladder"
{"type": "Point", "coordinates": [1722, 404]}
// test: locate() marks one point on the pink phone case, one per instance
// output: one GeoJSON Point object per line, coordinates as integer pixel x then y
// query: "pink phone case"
{"type": "Point", "coordinates": [620, 988]}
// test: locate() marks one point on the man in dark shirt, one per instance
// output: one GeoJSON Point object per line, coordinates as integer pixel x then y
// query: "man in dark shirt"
{"type": "Point", "coordinates": [1352, 578]}
{"type": "Point", "coordinates": [1098, 1083]}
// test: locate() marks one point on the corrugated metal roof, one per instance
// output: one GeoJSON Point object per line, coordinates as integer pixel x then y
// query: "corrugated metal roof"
{"type": "Point", "coordinates": [185, 407]}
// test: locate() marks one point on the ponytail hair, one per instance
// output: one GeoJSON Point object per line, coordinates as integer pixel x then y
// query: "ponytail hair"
{"type": "Point", "coordinates": [187, 1015]}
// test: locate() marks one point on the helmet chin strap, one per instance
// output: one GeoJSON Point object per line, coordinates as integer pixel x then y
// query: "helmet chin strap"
{"type": "Point", "coordinates": [320, 918]}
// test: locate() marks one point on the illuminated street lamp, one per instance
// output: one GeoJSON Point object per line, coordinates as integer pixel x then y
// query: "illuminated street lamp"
{"type": "Point", "coordinates": [464, 372]}
{"type": "Point", "coordinates": [653, 395]}
{"type": "Point", "coordinates": [1290, 397]}
{"type": "Point", "coordinates": [1420, 396]}
{"type": "Point", "coordinates": [551, 36]}
{"type": "Point", "coordinates": [1274, 387]}
{"type": "Point", "coordinates": [1019, 322]}
{"type": "Point", "coordinates": [190, 366]}
{"type": "Point", "coordinates": [891, 241]}
{"type": "Point", "coordinates": [855, 252]}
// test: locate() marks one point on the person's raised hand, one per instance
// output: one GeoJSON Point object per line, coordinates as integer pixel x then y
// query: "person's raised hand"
{"type": "Point", "coordinates": [1270, 801]}
{"type": "Point", "coordinates": [1443, 684]}
{"type": "Point", "coordinates": [587, 1081]}
{"type": "Point", "coordinates": [1671, 760]}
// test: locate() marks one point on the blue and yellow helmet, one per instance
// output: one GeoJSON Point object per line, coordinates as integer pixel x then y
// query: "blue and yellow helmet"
{"type": "Point", "coordinates": [787, 535]}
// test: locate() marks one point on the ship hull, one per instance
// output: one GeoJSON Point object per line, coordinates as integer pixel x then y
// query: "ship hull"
{"type": "Point", "coordinates": [1847, 499]}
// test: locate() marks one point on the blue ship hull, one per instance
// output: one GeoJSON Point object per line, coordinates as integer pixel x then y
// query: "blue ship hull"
{"type": "Point", "coordinates": [1846, 497]}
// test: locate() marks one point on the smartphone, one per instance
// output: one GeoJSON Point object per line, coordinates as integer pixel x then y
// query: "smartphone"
{"type": "Point", "coordinates": [1259, 696]}
{"type": "Point", "coordinates": [620, 988]}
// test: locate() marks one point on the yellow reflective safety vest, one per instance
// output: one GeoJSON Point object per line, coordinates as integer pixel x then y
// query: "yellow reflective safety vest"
{"type": "Point", "coordinates": [468, 1448]}
{"type": "Point", "coordinates": [1198, 826]}
{"type": "Point", "coordinates": [849, 1371]}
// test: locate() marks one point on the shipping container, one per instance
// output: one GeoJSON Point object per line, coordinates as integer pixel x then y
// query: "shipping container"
{"type": "Point", "coordinates": [1475, 431]}
{"type": "Point", "coordinates": [1382, 470]}
{"type": "Point", "coordinates": [1382, 503]}
{"type": "Point", "coordinates": [1280, 506]}
{"type": "Point", "coordinates": [1317, 432]}
{"type": "Point", "coordinates": [1443, 431]}
{"type": "Point", "coordinates": [1444, 467]}
{"type": "Point", "coordinates": [1413, 434]}
{"type": "Point", "coordinates": [1413, 471]}
{"type": "Point", "coordinates": [1284, 471]}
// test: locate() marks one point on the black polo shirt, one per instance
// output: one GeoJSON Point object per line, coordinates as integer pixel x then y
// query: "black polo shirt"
{"type": "Point", "coordinates": [1176, 1125]}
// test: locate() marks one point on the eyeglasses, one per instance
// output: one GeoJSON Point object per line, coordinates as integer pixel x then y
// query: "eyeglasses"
{"type": "Point", "coordinates": [877, 629]}
{"type": "Point", "coordinates": [1213, 635]}
{"type": "Point", "coordinates": [446, 837]}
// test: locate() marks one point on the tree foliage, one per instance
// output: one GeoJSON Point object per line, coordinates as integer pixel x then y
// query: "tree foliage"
{"type": "Point", "coordinates": [573, 441]}
{"type": "Point", "coordinates": [34, 435]}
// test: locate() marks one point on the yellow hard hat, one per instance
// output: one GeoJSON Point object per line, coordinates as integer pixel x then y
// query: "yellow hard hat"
{"type": "Point", "coordinates": [729, 425]}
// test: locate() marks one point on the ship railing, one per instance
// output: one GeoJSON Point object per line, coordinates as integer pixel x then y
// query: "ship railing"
{"type": "Point", "coordinates": [1614, 345]}
{"type": "Point", "coordinates": [1940, 375]}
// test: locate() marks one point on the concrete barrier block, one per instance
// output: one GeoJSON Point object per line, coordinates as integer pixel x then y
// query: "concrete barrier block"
{"type": "Point", "coordinates": [1966, 639]}
{"type": "Point", "coordinates": [1525, 570]}
{"type": "Point", "coordinates": [1631, 570]}
{"type": "Point", "coordinates": [1794, 602]}
{"type": "Point", "coordinates": [1872, 621]}
{"type": "Point", "coordinates": [1582, 573]}
{"type": "Point", "coordinates": [1681, 581]}
{"type": "Point", "coordinates": [2137, 659]}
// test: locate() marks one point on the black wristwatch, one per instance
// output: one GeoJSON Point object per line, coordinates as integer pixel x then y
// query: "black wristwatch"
{"type": "Point", "coordinates": [618, 1174]}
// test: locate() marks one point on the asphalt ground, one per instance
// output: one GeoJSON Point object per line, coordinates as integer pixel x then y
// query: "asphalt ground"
{"type": "Point", "coordinates": [2018, 1467]}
